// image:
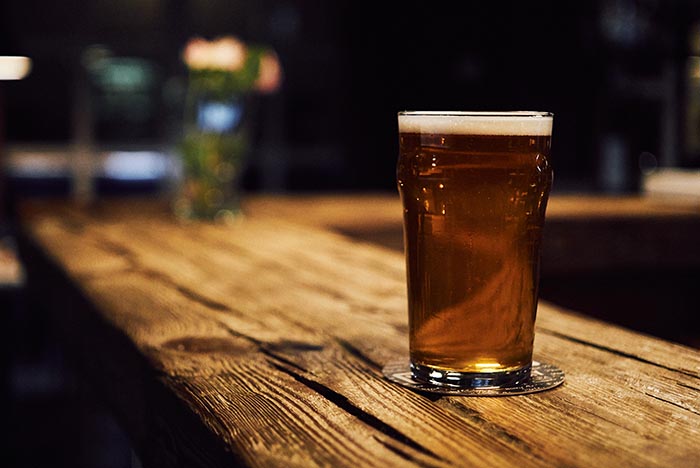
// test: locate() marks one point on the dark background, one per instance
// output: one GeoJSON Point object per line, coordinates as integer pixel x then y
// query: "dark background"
{"type": "Point", "coordinates": [614, 72]}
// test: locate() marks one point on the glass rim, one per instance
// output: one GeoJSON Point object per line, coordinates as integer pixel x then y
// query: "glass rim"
{"type": "Point", "coordinates": [489, 114]}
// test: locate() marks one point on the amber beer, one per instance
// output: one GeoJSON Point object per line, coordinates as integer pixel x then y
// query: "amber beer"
{"type": "Point", "coordinates": [474, 188]}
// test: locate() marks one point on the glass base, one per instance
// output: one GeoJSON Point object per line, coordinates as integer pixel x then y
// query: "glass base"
{"type": "Point", "coordinates": [188, 210]}
{"type": "Point", "coordinates": [442, 377]}
{"type": "Point", "coordinates": [535, 378]}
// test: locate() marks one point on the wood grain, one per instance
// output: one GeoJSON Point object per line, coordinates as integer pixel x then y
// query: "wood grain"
{"type": "Point", "coordinates": [583, 233]}
{"type": "Point", "coordinates": [261, 344]}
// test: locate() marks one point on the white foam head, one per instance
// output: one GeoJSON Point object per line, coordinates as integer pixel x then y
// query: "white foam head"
{"type": "Point", "coordinates": [476, 123]}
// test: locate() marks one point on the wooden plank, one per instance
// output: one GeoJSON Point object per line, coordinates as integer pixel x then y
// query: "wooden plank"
{"type": "Point", "coordinates": [583, 233]}
{"type": "Point", "coordinates": [11, 271]}
{"type": "Point", "coordinates": [381, 209]}
{"type": "Point", "coordinates": [272, 335]}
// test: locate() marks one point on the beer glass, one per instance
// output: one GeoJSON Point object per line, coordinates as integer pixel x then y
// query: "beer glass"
{"type": "Point", "coordinates": [474, 189]}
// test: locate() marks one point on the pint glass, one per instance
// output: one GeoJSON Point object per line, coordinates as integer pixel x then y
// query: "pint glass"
{"type": "Point", "coordinates": [474, 189]}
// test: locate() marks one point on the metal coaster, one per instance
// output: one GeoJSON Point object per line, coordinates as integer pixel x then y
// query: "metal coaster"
{"type": "Point", "coordinates": [542, 377]}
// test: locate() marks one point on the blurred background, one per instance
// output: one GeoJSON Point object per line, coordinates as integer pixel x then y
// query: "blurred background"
{"type": "Point", "coordinates": [107, 84]}
{"type": "Point", "coordinates": [621, 76]}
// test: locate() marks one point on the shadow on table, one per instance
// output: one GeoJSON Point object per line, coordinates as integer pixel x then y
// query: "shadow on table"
{"type": "Point", "coordinates": [661, 302]}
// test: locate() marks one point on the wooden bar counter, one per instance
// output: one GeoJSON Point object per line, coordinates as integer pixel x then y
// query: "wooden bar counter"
{"type": "Point", "coordinates": [261, 344]}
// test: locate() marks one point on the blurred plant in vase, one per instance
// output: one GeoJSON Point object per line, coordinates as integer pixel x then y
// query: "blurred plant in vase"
{"type": "Point", "coordinates": [224, 77]}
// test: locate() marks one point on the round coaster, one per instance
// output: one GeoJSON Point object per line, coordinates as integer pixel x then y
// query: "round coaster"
{"type": "Point", "coordinates": [542, 377]}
